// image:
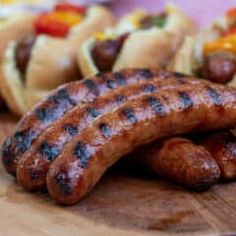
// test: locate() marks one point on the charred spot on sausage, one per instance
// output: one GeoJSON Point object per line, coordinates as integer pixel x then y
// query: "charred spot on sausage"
{"type": "Point", "coordinates": [23, 140]}
{"type": "Point", "coordinates": [70, 129]}
{"type": "Point", "coordinates": [186, 100]}
{"type": "Point", "coordinates": [120, 78]}
{"type": "Point", "coordinates": [62, 96]}
{"type": "Point", "coordinates": [179, 75]}
{"type": "Point", "coordinates": [35, 174]}
{"type": "Point", "coordinates": [44, 114]}
{"type": "Point", "coordinates": [120, 99]}
{"type": "Point", "coordinates": [149, 88]}
{"type": "Point", "coordinates": [63, 181]}
{"type": "Point", "coordinates": [82, 152]}
{"type": "Point", "coordinates": [156, 106]}
{"type": "Point", "coordinates": [48, 151]}
{"type": "Point", "coordinates": [92, 112]}
{"type": "Point", "coordinates": [146, 73]}
{"type": "Point", "coordinates": [89, 84]}
{"type": "Point", "coordinates": [130, 115]}
{"type": "Point", "coordinates": [110, 84]}
{"type": "Point", "coordinates": [214, 96]}
{"type": "Point", "coordinates": [105, 129]}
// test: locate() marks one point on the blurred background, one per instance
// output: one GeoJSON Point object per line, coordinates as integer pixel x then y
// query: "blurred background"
{"type": "Point", "coordinates": [203, 12]}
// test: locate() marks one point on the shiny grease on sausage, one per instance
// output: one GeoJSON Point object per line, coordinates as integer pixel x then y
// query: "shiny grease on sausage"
{"type": "Point", "coordinates": [179, 160]}
{"type": "Point", "coordinates": [222, 146]}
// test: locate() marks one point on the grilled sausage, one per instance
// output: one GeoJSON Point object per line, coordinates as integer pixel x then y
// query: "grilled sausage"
{"type": "Point", "coordinates": [219, 67]}
{"type": "Point", "coordinates": [104, 53]}
{"type": "Point", "coordinates": [34, 164]}
{"type": "Point", "coordinates": [181, 161]}
{"type": "Point", "coordinates": [63, 100]}
{"type": "Point", "coordinates": [222, 146]}
{"type": "Point", "coordinates": [88, 155]}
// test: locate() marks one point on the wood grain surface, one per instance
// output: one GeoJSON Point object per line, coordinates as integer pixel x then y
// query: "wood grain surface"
{"type": "Point", "coordinates": [125, 202]}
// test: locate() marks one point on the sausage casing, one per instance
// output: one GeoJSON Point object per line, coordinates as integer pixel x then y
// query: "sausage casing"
{"type": "Point", "coordinates": [181, 161]}
{"type": "Point", "coordinates": [88, 155]}
{"type": "Point", "coordinates": [63, 100]}
{"type": "Point", "coordinates": [222, 146]}
{"type": "Point", "coordinates": [33, 166]}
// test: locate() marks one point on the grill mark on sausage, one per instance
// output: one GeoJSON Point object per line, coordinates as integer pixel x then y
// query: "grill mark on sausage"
{"type": "Point", "coordinates": [130, 115]}
{"type": "Point", "coordinates": [149, 88]}
{"type": "Point", "coordinates": [120, 99]}
{"type": "Point", "coordinates": [105, 129]}
{"type": "Point", "coordinates": [93, 112]}
{"type": "Point", "coordinates": [90, 84]}
{"type": "Point", "coordinates": [48, 151]}
{"type": "Point", "coordinates": [111, 84]}
{"type": "Point", "coordinates": [156, 106]}
{"type": "Point", "coordinates": [179, 75]}
{"type": "Point", "coordinates": [214, 96]}
{"type": "Point", "coordinates": [82, 153]}
{"type": "Point", "coordinates": [23, 139]}
{"type": "Point", "coordinates": [62, 96]}
{"type": "Point", "coordinates": [120, 78]}
{"type": "Point", "coordinates": [186, 100]}
{"type": "Point", "coordinates": [44, 114]}
{"type": "Point", "coordinates": [146, 73]}
{"type": "Point", "coordinates": [35, 174]}
{"type": "Point", "coordinates": [70, 129]}
{"type": "Point", "coordinates": [63, 180]}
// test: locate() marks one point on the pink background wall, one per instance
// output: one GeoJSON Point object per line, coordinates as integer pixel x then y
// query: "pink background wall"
{"type": "Point", "coordinates": [202, 11]}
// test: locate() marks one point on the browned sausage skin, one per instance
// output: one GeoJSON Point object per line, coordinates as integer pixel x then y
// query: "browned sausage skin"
{"type": "Point", "coordinates": [34, 164]}
{"type": "Point", "coordinates": [219, 67]}
{"type": "Point", "coordinates": [83, 160]}
{"type": "Point", "coordinates": [23, 52]}
{"type": "Point", "coordinates": [222, 146]}
{"type": "Point", "coordinates": [181, 161]}
{"type": "Point", "coordinates": [60, 102]}
{"type": "Point", "coordinates": [105, 52]}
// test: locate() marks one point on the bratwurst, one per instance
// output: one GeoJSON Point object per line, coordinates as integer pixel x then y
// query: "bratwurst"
{"type": "Point", "coordinates": [148, 118]}
{"type": "Point", "coordinates": [179, 160]}
{"type": "Point", "coordinates": [34, 163]}
{"type": "Point", "coordinates": [63, 100]}
{"type": "Point", "coordinates": [222, 146]}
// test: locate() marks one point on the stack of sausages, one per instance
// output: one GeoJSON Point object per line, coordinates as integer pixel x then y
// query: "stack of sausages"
{"type": "Point", "coordinates": [69, 140]}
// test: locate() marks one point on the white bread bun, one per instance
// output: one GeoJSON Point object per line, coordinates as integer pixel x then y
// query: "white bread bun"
{"type": "Point", "coordinates": [151, 48]}
{"type": "Point", "coordinates": [52, 63]}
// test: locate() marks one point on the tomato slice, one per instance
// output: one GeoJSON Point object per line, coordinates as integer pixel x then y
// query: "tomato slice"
{"type": "Point", "coordinates": [43, 25]}
{"type": "Point", "coordinates": [67, 7]}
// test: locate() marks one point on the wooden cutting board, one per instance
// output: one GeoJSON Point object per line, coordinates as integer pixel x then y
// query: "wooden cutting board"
{"type": "Point", "coordinates": [123, 203]}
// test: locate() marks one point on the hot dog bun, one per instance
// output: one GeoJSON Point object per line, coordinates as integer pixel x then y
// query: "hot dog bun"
{"type": "Point", "coordinates": [189, 58]}
{"type": "Point", "coordinates": [52, 63]}
{"type": "Point", "coordinates": [151, 48]}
